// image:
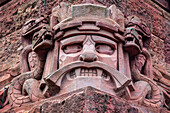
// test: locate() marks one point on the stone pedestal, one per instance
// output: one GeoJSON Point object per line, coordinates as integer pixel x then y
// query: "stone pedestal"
{"type": "Point", "coordinates": [86, 100]}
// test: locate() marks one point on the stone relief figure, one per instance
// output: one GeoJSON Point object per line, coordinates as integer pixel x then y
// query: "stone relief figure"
{"type": "Point", "coordinates": [141, 64]}
{"type": "Point", "coordinates": [24, 88]}
{"type": "Point", "coordinates": [90, 45]}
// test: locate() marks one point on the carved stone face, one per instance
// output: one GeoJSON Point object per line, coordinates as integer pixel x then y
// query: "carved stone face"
{"type": "Point", "coordinates": [87, 53]}
{"type": "Point", "coordinates": [88, 49]}
{"type": "Point", "coordinates": [140, 61]}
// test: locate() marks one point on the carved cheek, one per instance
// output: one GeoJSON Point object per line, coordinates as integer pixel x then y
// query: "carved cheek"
{"type": "Point", "coordinates": [107, 54]}
{"type": "Point", "coordinates": [65, 59]}
{"type": "Point", "coordinates": [110, 60]}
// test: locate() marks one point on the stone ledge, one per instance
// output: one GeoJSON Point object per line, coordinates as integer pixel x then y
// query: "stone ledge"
{"type": "Point", "coordinates": [85, 100]}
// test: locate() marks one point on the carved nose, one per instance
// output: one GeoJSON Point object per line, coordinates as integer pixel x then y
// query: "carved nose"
{"type": "Point", "coordinates": [88, 57]}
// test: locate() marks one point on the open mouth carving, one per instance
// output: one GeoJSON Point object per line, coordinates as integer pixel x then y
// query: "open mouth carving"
{"type": "Point", "coordinates": [88, 72]}
{"type": "Point", "coordinates": [42, 39]}
{"type": "Point", "coordinates": [33, 26]}
{"type": "Point", "coordinates": [45, 40]}
{"type": "Point", "coordinates": [132, 41]}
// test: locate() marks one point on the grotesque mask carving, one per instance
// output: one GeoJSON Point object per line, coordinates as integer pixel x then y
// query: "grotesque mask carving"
{"type": "Point", "coordinates": [136, 34]}
{"type": "Point", "coordinates": [88, 48]}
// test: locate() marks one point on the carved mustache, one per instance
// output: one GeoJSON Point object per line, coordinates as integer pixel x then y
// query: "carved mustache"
{"type": "Point", "coordinates": [120, 79]}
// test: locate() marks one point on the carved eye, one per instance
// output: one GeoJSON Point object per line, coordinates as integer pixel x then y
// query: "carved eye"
{"type": "Point", "coordinates": [74, 48]}
{"type": "Point", "coordinates": [104, 49]}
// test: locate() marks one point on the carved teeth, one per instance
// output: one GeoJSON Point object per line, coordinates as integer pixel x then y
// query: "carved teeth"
{"type": "Point", "coordinates": [99, 72]}
{"type": "Point", "coordinates": [82, 72]}
{"type": "Point", "coordinates": [77, 72]}
{"type": "Point", "coordinates": [94, 72]}
{"type": "Point", "coordinates": [88, 72]}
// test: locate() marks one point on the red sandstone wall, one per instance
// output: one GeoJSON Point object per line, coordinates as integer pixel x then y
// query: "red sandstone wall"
{"type": "Point", "coordinates": [14, 14]}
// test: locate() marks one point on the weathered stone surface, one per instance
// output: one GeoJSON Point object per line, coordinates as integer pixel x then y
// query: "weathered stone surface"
{"type": "Point", "coordinates": [5, 80]}
{"type": "Point", "coordinates": [157, 50]}
{"type": "Point", "coordinates": [2, 2]}
{"type": "Point", "coordinates": [9, 52]}
{"type": "Point", "coordinates": [167, 42]}
{"type": "Point", "coordinates": [85, 100]}
{"type": "Point", "coordinates": [15, 13]}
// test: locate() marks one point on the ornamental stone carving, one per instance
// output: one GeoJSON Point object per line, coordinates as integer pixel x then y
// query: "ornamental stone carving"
{"type": "Point", "coordinates": [87, 45]}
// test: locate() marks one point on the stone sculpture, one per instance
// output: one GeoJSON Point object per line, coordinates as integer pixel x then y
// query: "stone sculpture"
{"type": "Point", "coordinates": [89, 45]}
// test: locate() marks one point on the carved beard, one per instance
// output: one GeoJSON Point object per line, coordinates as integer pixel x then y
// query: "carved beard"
{"type": "Point", "coordinates": [78, 74]}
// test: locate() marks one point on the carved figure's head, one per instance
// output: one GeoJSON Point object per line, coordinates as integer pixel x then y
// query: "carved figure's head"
{"type": "Point", "coordinates": [140, 61]}
{"type": "Point", "coordinates": [34, 25]}
{"type": "Point", "coordinates": [88, 51]}
{"type": "Point", "coordinates": [137, 35]}
{"type": "Point", "coordinates": [42, 39]}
